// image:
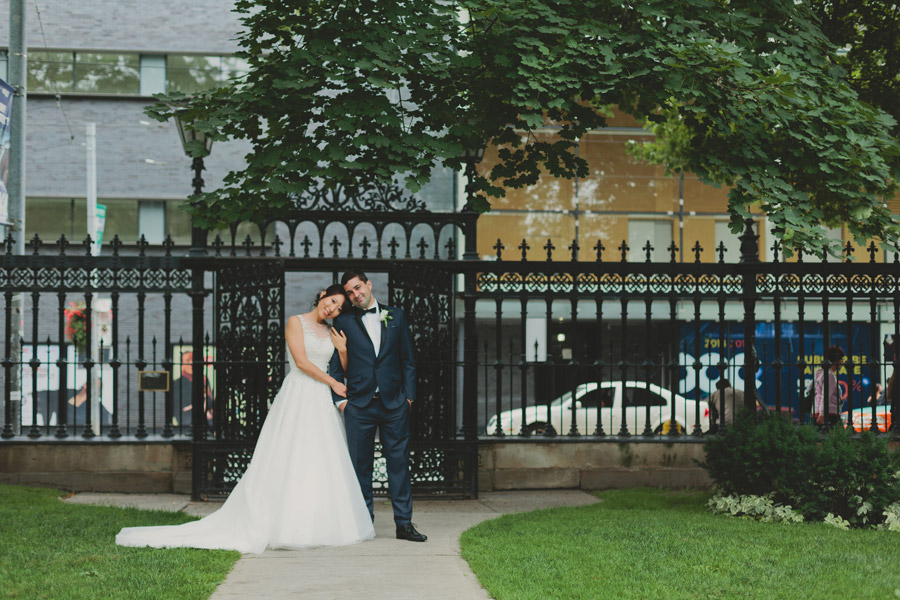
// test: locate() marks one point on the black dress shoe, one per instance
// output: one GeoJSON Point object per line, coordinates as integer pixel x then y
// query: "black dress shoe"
{"type": "Point", "coordinates": [408, 532]}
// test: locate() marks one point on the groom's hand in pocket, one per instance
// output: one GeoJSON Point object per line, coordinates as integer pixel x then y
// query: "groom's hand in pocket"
{"type": "Point", "coordinates": [342, 406]}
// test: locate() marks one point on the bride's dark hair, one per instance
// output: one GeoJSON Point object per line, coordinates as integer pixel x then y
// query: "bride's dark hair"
{"type": "Point", "coordinates": [332, 290]}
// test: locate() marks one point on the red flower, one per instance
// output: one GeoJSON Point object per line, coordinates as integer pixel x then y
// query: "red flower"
{"type": "Point", "coordinates": [76, 324]}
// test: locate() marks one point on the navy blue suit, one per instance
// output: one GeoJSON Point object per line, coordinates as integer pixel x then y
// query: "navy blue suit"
{"type": "Point", "coordinates": [393, 373]}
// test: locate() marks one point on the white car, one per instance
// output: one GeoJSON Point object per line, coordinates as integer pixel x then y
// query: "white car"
{"type": "Point", "coordinates": [642, 401]}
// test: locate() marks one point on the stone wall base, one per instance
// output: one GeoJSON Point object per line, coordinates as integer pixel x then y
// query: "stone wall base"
{"type": "Point", "coordinates": [133, 467]}
{"type": "Point", "coordinates": [165, 466]}
{"type": "Point", "coordinates": [590, 465]}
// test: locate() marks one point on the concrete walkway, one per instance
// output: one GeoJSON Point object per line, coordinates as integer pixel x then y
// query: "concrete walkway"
{"type": "Point", "coordinates": [383, 568]}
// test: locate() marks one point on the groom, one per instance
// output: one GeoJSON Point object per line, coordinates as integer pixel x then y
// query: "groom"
{"type": "Point", "coordinates": [381, 387]}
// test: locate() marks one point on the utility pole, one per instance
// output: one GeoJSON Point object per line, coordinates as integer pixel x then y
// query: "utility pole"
{"type": "Point", "coordinates": [18, 60]}
{"type": "Point", "coordinates": [18, 64]}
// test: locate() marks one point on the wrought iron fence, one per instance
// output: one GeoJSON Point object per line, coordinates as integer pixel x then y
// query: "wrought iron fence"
{"type": "Point", "coordinates": [637, 350]}
{"type": "Point", "coordinates": [65, 390]}
{"type": "Point", "coordinates": [557, 349]}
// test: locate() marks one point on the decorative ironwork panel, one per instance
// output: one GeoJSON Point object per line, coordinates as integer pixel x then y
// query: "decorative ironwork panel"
{"type": "Point", "coordinates": [375, 196]}
{"type": "Point", "coordinates": [426, 295]}
{"type": "Point", "coordinates": [221, 466]}
{"type": "Point", "coordinates": [249, 318]}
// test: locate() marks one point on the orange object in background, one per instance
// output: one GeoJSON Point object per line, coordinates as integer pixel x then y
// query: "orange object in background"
{"type": "Point", "coordinates": [861, 419]}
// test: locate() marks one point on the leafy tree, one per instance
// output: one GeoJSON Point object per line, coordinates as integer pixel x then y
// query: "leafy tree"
{"type": "Point", "coordinates": [341, 93]}
{"type": "Point", "coordinates": [869, 31]}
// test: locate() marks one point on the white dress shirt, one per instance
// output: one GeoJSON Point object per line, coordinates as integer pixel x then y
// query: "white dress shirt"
{"type": "Point", "coordinates": [372, 323]}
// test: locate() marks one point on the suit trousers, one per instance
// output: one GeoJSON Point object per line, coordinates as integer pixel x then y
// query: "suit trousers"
{"type": "Point", "coordinates": [392, 426]}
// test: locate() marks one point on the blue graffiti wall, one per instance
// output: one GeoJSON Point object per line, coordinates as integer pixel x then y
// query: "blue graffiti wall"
{"type": "Point", "coordinates": [707, 344]}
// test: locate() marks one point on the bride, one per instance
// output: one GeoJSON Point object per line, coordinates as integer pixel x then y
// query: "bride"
{"type": "Point", "coordinates": [300, 489]}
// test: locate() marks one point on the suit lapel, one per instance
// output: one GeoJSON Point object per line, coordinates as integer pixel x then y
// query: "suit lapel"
{"type": "Point", "coordinates": [383, 325]}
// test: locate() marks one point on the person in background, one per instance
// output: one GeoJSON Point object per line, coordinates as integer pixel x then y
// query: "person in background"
{"type": "Point", "coordinates": [828, 415]}
{"type": "Point", "coordinates": [725, 398]}
{"type": "Point", "coordinates": [182, 393]}
{"type": "Point", "coordinates": [877, 396]}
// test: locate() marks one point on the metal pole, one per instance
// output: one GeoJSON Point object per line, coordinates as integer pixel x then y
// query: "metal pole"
{"type": "Point", "coordinates": [470, 360]}
{"type": "Point", "coordinates": [749, 267]}
{"type": "Point", "coordinates": [198, 235]}
{"type": "Point", "coordinates": [198, 391]}
{"type": "Point", "coordinates": [90, 143]}
{"type": "Point", "coordinates": [18, 63]}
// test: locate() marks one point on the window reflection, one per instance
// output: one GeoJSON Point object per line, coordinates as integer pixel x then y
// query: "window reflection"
{"type": "Point", "coordinates": [51, 71]}
{"type": "Point", "coordinates": [121, 73]}
{"type": "Point", "coordinates": [189, 74]}
{"type": "Point", "coordinates": [107, 73]}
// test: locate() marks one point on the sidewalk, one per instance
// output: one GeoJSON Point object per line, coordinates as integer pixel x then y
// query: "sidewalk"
{"type": "Point", "coordinates": [383, 568]}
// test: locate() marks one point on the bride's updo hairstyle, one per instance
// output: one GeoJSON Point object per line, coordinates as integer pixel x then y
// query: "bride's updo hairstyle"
{"type": "Point", "coordinates": [332, 290]}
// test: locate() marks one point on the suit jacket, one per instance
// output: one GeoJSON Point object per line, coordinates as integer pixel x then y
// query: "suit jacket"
{"type": "Point", "coordinates": [392, 372]}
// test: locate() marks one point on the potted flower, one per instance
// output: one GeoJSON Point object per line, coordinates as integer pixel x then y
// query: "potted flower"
{"type": "Point", "coordinates": [76, 325]}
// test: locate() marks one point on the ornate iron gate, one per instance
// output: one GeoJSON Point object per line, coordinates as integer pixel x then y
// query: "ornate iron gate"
{"type": "Point", "coordinates": [361, 229]}
{"type": "Point", "coordinates": [440, 463]}
{"type": "Point", "coordinates": [249, 356]}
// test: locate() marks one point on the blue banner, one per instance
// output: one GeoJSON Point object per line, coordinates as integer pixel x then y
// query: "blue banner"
{"type": "Point", "coordinates": [856, 381]}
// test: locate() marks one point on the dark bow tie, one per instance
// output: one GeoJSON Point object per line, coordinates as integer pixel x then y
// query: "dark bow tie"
{"type": "Point", "coordinates": [372, 310]}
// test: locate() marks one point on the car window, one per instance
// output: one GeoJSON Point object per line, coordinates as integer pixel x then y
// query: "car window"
{"type": "Point", "coordinates": [600, 397]}
{"type": "Point", "coordinates": [643, 397]}
{"type": "Point", "coordinates": [564, 398]}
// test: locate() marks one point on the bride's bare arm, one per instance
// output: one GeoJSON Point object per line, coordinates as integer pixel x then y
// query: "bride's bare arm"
{"type": "Point", "coordinates": [293, 334]}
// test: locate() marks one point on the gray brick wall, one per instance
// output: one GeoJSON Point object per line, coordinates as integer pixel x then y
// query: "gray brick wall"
{"type": "Point", "coordinates": [126, 137]}
{"type": "Point", "coordinates": [160, 26]}
{"type": "Point", "coordinates": [55, 159]}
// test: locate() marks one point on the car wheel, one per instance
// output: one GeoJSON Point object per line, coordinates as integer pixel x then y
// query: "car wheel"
{"type": "Point", "coordinates": [666, 428]}
{"type": "Point", "coordinates": [536, 428]}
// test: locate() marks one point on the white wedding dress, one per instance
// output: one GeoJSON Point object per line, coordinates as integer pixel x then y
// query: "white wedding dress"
{"type": "Point", "coordinates": [300, 489]}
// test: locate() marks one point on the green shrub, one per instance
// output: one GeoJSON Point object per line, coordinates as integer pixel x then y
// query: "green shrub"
{"type": "Point", "coordinates": [760, 455]}
{"type": "Point", "coordinates": [855, 479]}
{"type": "Point", "coordinates": [839, 477]}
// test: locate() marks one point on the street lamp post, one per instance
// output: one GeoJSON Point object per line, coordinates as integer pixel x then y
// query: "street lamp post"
{"type": "Point", "coordinates": [472, 156]}
{"type": "Point", "coordinates": [191, 140]}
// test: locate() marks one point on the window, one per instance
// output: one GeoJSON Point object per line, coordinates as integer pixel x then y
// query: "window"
{"type": "Point", "coordinates": [178, 223]}
{"type": "Point", "coordinates": [153, 75]}
{"type": "Point", "coordinates": [656, 231]}
{"type": "Point", "coordinates": [107, 73]}
{"type": "Point", "coordinates": [189, 74]}
{"type": "Point", "coordinates": [121, 73]}
{"type": "Point", "coordinates": [600, 397]}
{"type": "Point", "coordinates": [731, 241]}
{"type": "Point", "coordinates": [121, 219]}
{"type": "Point", "coordinates": [642, 397]}
{"type": "Point", "coordinates": [51, 71]}
{"type": "Point", "coordinates": [53, 217]}
{"type": "Point", "coordinates": [152, 221]}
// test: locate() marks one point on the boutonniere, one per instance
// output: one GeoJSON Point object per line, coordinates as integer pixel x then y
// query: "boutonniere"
{"type": "Point", "coordinates": [385, 317]}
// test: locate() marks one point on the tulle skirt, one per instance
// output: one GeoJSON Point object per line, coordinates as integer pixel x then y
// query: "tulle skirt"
{"type": "Point", "coordinates": [300, 489]}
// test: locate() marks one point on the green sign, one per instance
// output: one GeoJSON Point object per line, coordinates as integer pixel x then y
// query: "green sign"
{"type": "Point", "coordinates": [101, 223]}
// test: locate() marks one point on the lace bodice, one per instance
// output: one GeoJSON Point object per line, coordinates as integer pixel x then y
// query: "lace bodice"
{"type": "Point", "coordinates": [317, 340]}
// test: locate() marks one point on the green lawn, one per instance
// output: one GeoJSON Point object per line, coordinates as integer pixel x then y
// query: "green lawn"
{"type": "Point", "coordinates": [50, 549]}
{"type": "Point", "coordinates": [647, 544]}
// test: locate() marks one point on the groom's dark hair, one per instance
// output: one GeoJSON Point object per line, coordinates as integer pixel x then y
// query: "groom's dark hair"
{"type": "Point", "coordinates": [351, 274]}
